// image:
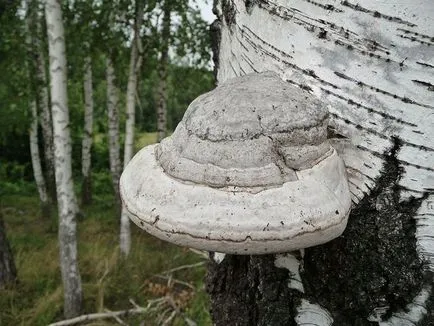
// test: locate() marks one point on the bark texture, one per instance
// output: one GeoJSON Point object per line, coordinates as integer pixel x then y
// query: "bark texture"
{"type": "Point", "coordinates": [135, 64]}
{"type": "Point", "coordinates": [86, 189]}
{"type": "Point", "coordinates": [67, 203]}
{"type": "Point", "coordinates": [113, 130]}
{"type": "Point", "coordinates": [250, 290]}
{"type": "Point", "coordinates": [8, 272]}
{"type": "Point", "coordinates": [162, 72]}
{"type": "Point", "coordinates": [372, 66]}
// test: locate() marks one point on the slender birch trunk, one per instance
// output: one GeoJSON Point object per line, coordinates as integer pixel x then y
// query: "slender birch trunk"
{"type": "Point", "coordinates": [135, 64]}
{"type": "Point", "coordinates": [113, 130]}
{"type": "Point", "coordinates": [67, 204]}
{"type": "Point", "coordinates": [162, 73]}
{"type": "Point", "coordinates": [31, 18]}
{"type": "Point", "coordinates": [86, 189]}
{"type": "Point", "coordinates": [36, 162]}
{"type": "Point", "coordinates": [45, 112]}
{"type": "Point", "coordinates": [371, 63]}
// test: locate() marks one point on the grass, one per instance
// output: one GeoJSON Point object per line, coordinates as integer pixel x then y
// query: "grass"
{"type": "Point", "coordinates": [108, 281]}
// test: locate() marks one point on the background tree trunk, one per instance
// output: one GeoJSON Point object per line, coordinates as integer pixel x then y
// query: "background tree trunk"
{"type": "Point", "coordinates": [372, 65]}
{"type": "Point", "coordinates": [113, 131]}
{"type": "Point", "coordinates": [135, 64]}
{"type": "Point", "coordinates": [31, 19]}
{"type": "Point", "coordinates": [36, 162]}
{"type": "Point", "coordinates": [8, 272]}
{"type": "Point", "coordinates": [162, 73]}
{"type": "Point", "coordinates": [44, 108]}
{"type": "Point", "coordinates": [86, 189]}
{"type": "Point", "coordinates": [66, 201]}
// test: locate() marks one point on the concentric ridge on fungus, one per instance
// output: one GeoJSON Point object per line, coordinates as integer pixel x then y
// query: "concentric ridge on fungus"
{"type": "Point", "coordinates": [254, 131]}
{"type": "Point", "coordinates": [248, 170]}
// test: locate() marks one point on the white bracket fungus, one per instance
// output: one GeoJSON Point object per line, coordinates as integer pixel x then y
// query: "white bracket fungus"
{"type": "Point", "coordinates": [248, 170]}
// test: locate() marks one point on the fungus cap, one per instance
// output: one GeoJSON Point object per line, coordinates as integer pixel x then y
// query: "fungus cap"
{"type": "Point", "coordinates": [248, 170]}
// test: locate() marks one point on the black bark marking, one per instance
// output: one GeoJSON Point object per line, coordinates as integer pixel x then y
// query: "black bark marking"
{"type": "Point", "coordinates": [406, 31]}
{"type": "Point", "coordinates": [369, 109]}
{"type": "Point", "coordinates": [424, 84]}
{"type": "Point", "coordinates": [415, 39]}
{"type": "Point", "coordinates": [250, 290]}
{"type": "Point", "coordinates": [257, 47]}
{"type": "Point", "coordinates": [375, 262]}
{"type": "Point", "coordinates": [382, 91]}
{"type": "Point", "coordinates": [425, 64]}
{"type": "Point", "coordinates": [376, 14]}
{"type": "Point", "coordinates": [402, 162]}
{"type": "Point", "coordinates": [343, 37]}
{"type": "Point", "coordinates": [328, 7]}
{"type": "Point", "coordinates": [302, 86]}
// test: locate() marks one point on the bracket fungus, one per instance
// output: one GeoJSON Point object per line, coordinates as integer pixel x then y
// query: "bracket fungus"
{"type": "Point", "coordinates": [248, 170]}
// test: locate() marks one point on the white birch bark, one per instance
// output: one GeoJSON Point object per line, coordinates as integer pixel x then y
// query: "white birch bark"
{"type": "Point", "coordinates": [135, 64]}
{"type": "Point", "coordinates": [113, 128]}
{"type": "Point", "coordinates": [87, 134]}
{"type": "Point", "coordinates": [43, 104]}
{"type": "Point", "coordinates": [67, 204]}
{"type": "Point", "coordinates": [372, 62]}
{"type": "Point", "coordinates": [162, 73]}
{"type": "Point", "coordinates": [33, 130]}
{"type": "Point", "coordinates": [379, 86]}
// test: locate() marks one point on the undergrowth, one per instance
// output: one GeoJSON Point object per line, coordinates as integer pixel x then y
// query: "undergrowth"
{"type": "Point", "coordinates": [109, 282]}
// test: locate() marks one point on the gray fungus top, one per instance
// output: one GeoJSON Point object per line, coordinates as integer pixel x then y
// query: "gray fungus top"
{"type": "Point", "coordinates": [253, 131]}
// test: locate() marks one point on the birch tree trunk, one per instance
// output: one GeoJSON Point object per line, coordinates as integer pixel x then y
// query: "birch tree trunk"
{"type": "Point", "coordinates": [113, 130]}
{"type": "Point", "coordinates": [66, 201]}
{"type": "Point", "coordinates": [8, 272]}
{"type": "Point", "coordinates": [31, 18]}
{"type": "Point", "coordinates": [162, 73]}
{"type": "Point", "coordinates": [372, 65]}
{"type": "Point", "coordinates": [45, 112]}
{"type": "Point", "coordinates": [135, 64]}
{"type": "Point", "coordinates": [36, 162]}
{"type": "Point", "coordinates": [86, 189]}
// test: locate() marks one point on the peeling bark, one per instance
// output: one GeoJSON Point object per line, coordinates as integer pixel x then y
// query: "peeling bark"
{"type": "Point", "coordinates": [67, 203]}
{"type": "Point", "coordinates": [86, 189]}
{"type": "Point", "coordinates": [135, 64]}
{"type": "Point", "coordinates": [162, 73]}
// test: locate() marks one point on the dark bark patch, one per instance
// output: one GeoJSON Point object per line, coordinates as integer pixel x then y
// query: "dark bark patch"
{"type": "Point", "coordinates": [250, 290]}
{"type": "Point", "coordinates": [86, 191]}
{"type": "Point", "coordinates": [229, 13]}
{"type": "Point", "coordinates": [375, 262]}
{"type": "Point", "coordinates": [215, 30]}
{"type": "Point", "coordinates": [8, 271]}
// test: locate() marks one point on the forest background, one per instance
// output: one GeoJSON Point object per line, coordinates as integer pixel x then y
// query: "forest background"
{"type": "Point", "coordinates": [161, 282]}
